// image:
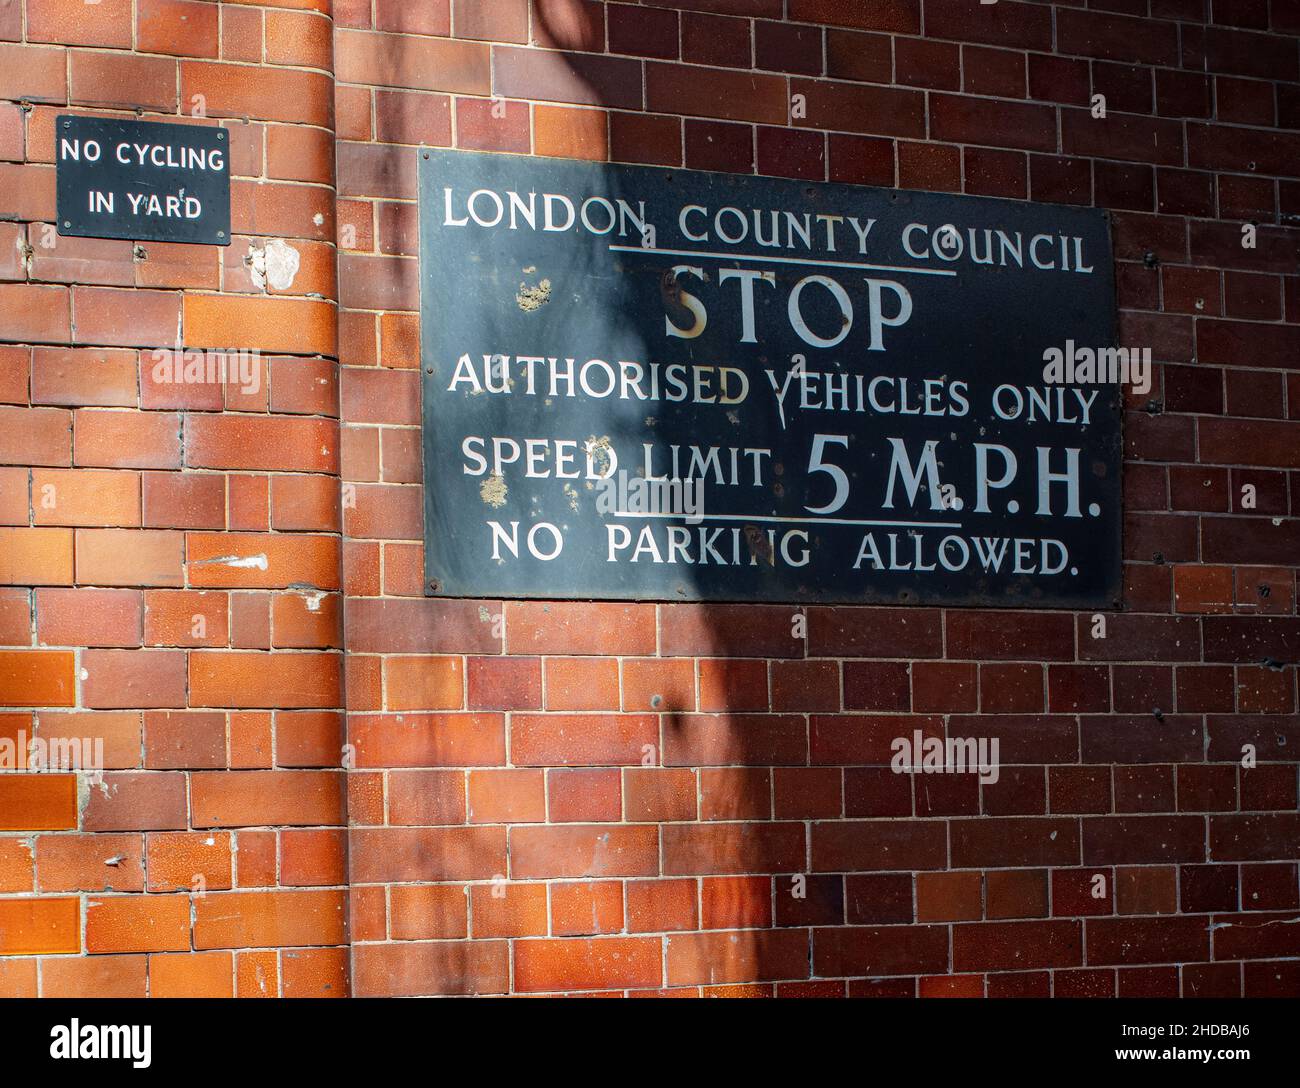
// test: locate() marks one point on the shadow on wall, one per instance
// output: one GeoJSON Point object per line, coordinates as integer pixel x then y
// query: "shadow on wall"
{"type": "Point", "coordinates": [749, 925]}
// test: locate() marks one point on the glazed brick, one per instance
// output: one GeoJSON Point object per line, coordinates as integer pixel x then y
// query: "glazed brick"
{"type": "Point", "coordinates": [31, 926]}
{"type": "Point", "coordinates": [252, 798]}
{"type": "Point", "coordinates": [1146, 940]}
{"type": "Point", "coordinates": [610, 963]}
{"type": "Point", "coordinates": [583, 851]}
{"type": "Point", "coordinates": [1126, 840]}
{"type": "Point", "coordinates": [880, 950]}
{"type": "Point", "coordinates": [878, 845]}
{"type": "Point", "coordinates": [405, 854]}
{"type": "Point", "coordinates": [752, 955]}
{"type": "Point", "coordinates": [431, 967]}
{"type": "Point", "coordinates": [736, 739]}
{"type": "Point", "coordinates": [1017, 945]}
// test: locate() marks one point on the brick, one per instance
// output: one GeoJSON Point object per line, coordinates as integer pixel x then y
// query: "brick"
{"type": "Point", "coordinates": [37, 678]}
{"type": "Point", "coordinates": [43, 802]}
{"type": "Point", "coordinates": [387, 60]}
{"type": "Point", "coordinates": [583, 851]}
{"type": "Point", "coordinates": [275, 918]}
{"type": "Point", "coordinates": [428, 740]}
{"type": "Point", "coordinates": [432, 967]}
{"type": "Point", "coordinates": [405, 854]}
{"type": "Point", "coordinates": [155, 923]}
{"type": "Point", "coordinates": [610, 963]}
{"type": "Point", "coordinates": [31, 926]}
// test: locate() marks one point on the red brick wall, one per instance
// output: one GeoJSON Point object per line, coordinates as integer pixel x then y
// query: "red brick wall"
{"type": "Point", "coordinates": [505, 833]}
{"type": "Point", "coordinates": [211, 857]}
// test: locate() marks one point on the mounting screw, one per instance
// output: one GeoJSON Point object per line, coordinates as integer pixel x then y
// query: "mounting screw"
{"type": "Point", "coordinates": [1150, 259]}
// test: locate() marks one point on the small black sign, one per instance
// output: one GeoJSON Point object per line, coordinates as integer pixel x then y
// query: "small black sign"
{"type": "Point", "coordinates": [143, 180]}
{"type": "Point", "coordinates": [673, 385]}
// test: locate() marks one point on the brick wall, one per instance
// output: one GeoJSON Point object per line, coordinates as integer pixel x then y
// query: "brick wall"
{"type": "Point", "coordinates": [170, 552]}
{"type": "Point", "coordinates": [505, 835]}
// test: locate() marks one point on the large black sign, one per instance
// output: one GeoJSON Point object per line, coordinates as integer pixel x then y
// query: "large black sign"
{"type": "Point", "coordinates": [143, 180]}
{"type": "Point", "coordinates": [673, 385]}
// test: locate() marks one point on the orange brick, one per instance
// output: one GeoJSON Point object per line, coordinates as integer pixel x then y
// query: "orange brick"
{"type": "Point", "coordinates": [118, 731]}
{"type": "Point", "coordinates": [303, 326]}
{"type": "Point", "coordinates": [133, 679]}
{"type": "Point", "coordinates": [31, 313]}
{"type": "Point", "coordinates": [191, 974]}
{"type": "Point", "coordinates": [570, 133]}
{"type": "Point", "coordinates": [14, 496]}
{"type": "Point", "coordinates": [89, 863]}
{"type": "Point", "coordinates": [36, 557]}
{"type": "Point", "coordinates": [138, 923]}
{"type": "Point", "coordinates": [73, 22]}
{"type": "Point", "coordinates": [579, 628]}
{"type": "Point", "coordinates": [183, 739]}
{"type": "Point", "coordinates": [611, 963]}
{"type": "Point", "coordinates": [423, 683]}
{"type": "Point", "coordinates": [94, 976]}
{"type": "Point", "coordinates": [18, 978]}
{"type": "Point", "coordinates": [181, 617]}
{"type": "Point", "coordinates": [33, 926]}
{"type": "Point", "coordinates": [117, 79]}
{"type": "Point", "coordinates": [575, 683]}
{"type": "Point", "coordinates": [112, 438]}
{"type": "Point", "coordinates": [252, 680]}
{"type": "Point", "coordinates": [266, 561]}
{"type": "Point", "coordinates": [508, 909]}
{"type": "Point", "coordinates": [116, 318]}
{"type": "Point", "coordinates": [315, 972]}
{"type": "Point", "coordinates": [308, 738]}
{"type": "Point", "coordinates": [17, 866]}
{"type": "Point", "coordinates": [172, 500]}
{"type": "Point", "coordinates": [137, 801]}
{"type": "Point", "coordinates": [313, 858]}
{"type": "Point", "coordinates": [78, 377]}
{"type": "Point", "coordinates": [300, 38]}
{"type": "Point", "coordinates": [661, 905]}
{"type": "Point", "coordinates": [257, 974]}
{"type": "Point", "coordinates": [184, 27]}
{"type": "Point", "coordinates": [426, 912]}
{"type": "Point", "coordinates": [275, 443]}
{"type": "Point", "coordinates": [277, 95]}
{"type": "Point", "coordinates": [88, 617]}
{"type": "Point", "coordinates": [307, 621]}
{"type": "Point", "coordinates": [35, 436]}
{"type": "Point", "coordinates": [85, 497]}
{"type": "Point", "coordinates": [269, 919]}
{"type": "Point", "coordinates": [266, 798]}
{"type": "Point", "coordinates": [129, 557]}
{"type": "Point", "coordinates": [586, 908]}
{"type": "Point", "coordinates": [507, 796]}
{"type": "Point", "coordinates": [37, 678]}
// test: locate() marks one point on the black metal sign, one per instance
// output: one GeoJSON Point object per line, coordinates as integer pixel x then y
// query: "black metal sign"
{"type": "Point", "coordinates": [143, 180]}
{"type": "Point", "coordinates": [663, 384]}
